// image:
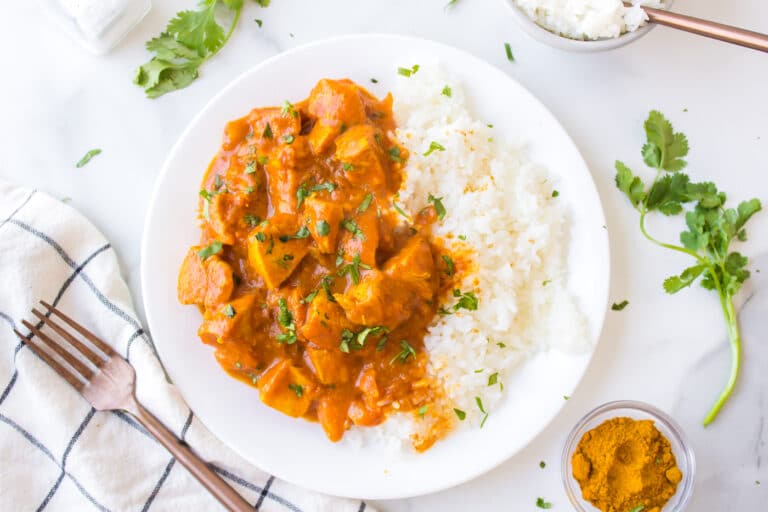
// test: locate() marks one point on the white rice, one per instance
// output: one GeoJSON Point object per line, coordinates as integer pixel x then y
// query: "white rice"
{"type": "Point", "coordinates": [587, 19]}
{"type": "Point", "coordinates": [517, 233]}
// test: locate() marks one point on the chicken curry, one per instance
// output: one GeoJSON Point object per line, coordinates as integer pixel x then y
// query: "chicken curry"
{"type": "Point", "coordinates": [314, 284]}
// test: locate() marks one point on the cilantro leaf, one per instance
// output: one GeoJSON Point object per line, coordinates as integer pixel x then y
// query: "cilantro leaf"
{"type": "Point", "coordinates": [711, 227]}
{"type": "Point", "coordinates": [664, 149]}
{"type": "Point", "coordinates": [630, 184]}
{"type": "Point", "coordinates": [676, 283]}
{"type": "Point", "coordinates": [189, 39]}
{"type": "Point", "coordinates": [198, 29]}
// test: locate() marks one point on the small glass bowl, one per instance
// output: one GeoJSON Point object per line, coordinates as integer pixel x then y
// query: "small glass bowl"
{"type": "Point", "coordinates": [639, 411]}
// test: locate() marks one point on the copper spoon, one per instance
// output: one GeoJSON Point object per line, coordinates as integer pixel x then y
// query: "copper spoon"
{"type": "Point", "coordinates": [727, 33]}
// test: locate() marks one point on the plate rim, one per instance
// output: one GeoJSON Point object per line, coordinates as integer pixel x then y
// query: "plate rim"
{"type": "Point", "coordinates": [172, 153]}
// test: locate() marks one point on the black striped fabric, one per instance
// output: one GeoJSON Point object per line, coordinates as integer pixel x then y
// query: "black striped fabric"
{"type": "Point", "coordinates": [60, 445]}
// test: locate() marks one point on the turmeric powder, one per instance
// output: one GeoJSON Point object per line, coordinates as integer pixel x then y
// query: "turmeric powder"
{"type": "Point", "coordinates": [626, 464]}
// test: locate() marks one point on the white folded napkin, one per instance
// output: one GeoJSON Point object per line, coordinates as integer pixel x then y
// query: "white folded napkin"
{"type": "Point", "coordinates": [56, 451]}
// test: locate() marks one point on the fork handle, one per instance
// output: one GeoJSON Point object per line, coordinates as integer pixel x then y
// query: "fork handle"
{"type": "Point", "coordinates": [226, 495]}
{"type": "Point", "coordinates": [711, 29]}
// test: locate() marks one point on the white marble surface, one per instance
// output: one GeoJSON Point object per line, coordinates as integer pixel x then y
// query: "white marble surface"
{"type": "Point", "coordinates": [56, 102]}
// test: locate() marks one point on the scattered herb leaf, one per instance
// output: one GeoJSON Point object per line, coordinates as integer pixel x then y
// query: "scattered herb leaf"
{"type": "Point", "coordinates": [434, 146]}
{"type": "Point", "coordinates": [619, 306]}
{"type": "Point", "coordinates": [87, 157]}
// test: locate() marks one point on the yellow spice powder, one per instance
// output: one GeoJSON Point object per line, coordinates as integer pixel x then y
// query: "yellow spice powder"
{"type": "Point", "coordinates": [623, 464]}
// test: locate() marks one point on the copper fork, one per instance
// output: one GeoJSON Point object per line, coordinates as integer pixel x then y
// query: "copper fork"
{"type": "Point", "coordinates": [108, 382]}
{"type": "Point", "coordinates": [706, 28]}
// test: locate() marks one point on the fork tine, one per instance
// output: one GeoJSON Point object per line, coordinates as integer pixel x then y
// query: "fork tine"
{"type": "Point", "coordinates": [82, 330]}
{"type": "Point", "coordinates": [63, 372]}
{"type": "Point", "coordinates": [87, 352]}
{"type": "Point", "coordinates": [83, 370]}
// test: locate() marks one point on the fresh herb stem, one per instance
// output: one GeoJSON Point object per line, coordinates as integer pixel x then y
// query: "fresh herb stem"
{"type": "Point", "coordinates": [734, 340]}
{"type": "Point", "coordinates": [711, 228]}
{"type": "Point", "coordinates": [643, 212]}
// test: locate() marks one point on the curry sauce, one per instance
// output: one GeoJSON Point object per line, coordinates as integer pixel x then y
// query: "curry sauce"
{"type": "Point", "coordinates": [314, 285]}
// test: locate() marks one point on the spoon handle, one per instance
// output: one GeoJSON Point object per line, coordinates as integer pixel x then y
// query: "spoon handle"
{"type": "Point", "coordinates": [727, 33]}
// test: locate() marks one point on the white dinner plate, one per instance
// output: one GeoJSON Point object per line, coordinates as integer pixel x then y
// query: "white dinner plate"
{"type": "Point", "coordinates": [296, 450]}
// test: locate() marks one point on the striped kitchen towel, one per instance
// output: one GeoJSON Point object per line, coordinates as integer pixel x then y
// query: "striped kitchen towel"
{"type": "Point", "coordinates": [56, 451]}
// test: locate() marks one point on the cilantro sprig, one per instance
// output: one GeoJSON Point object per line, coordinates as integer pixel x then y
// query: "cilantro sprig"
{"type": "Point", "coordinates": [189, 40]}
{"type": "Point", "coordinates": [711, 228]}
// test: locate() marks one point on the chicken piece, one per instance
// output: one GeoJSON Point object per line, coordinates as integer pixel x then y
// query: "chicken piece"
{"type": "Point", "coordinates": [414, 264]}
{"type": "Point", "coordinates": [332, 415]}
{"type": "Point", "coordinates": [286, 388]}
{"type": "Point", "coordinates": [337, 100]}
{"type": "Point", "coordinates": [325, 322]}
{"type": "Point", "coordinates": [360, 235]}
{"type": "Point", "coordinates": [232, 321]}
{"type": "Point", "coordinates": [323, 219]}
{"type": "Point", "coordinates": [361, 156]}
{"type": "Point", "coordinates": [281, 125]}
{"type": "Point", "coordinates": [282, 183]}
{"type": "Point", "coordinates": [224, 214]}
{"type": "Point", "coordinates": [323, 134]}
{"type": "Point", "coordinates": [327, 365]}
{"type": "Point", "coordinates": [274, 250]}
{"type": "Point", "coordinates": [204, 282]}
{"type": "Point", "coordinates": [377, 300]}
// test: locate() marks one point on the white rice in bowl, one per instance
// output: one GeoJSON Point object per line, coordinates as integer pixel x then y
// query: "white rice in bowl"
{"type": "Point", "coordinates": [503, 208]}
{"type": "Point", "coordinates": [587, 19]}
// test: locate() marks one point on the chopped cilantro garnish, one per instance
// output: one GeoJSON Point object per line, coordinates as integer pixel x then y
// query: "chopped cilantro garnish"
{"type": "Point", "coordinates": [309, 298]}
{"type": "Point", "coordinates": [408, 71]}
{"type": "Point", "coordinates": [87, 157]}
{"type": "Point", "coordinates": [437, 202]}
{"type": "Point", "coordinates": [250, 168]}
{"type": "Point", "coordinates": [467, 300]}
{"type": "Point", "coordinates": [303, 232]}
{"type": "Point", "coordinates": [446, 91]}
{"type": "Point", "coordinates": [493, 379]}
{"type": "Point", "coordinates": [353, 268]}
{"type": "Point", "coordinates": [400, 210]}
{"type": "Point", "coordinates": [406, 351]}
{"type": "Point", "coordinates": [365, 203]}
{"type": "Point", "coordinates": [229, 311]}
{"type": "Point", "coordinates": [434, 146]}
{"type": "Point", "coordinates": [508, 50]}
{"type": "Point", "coordinates": [267, 134]}
{"type": "Point", "coordinates": [543, 504]}
{"type": "Point", "coordinates": [555, 193]}
{"type": "Point", "coordinates": [210, 250]}
{"type": "Point", "coordinates": [288, 110]}
{"type": "Point", "coordinates": [620, 306]}
{"type": "Point", "coordinates": [460, 414]}
{"type": "Point", "coordinates": [347, 337]}
{"type": "Point", "coordinates": [296, 388]}
{"type": "Point", "coordinates": [347, 166]}
{"type": "Point", "coordinates": [288, 139]}
{"type": "Point", "coordinates": [252, 220]}
{"type": "Point", "coordinates": [351, 226]}
{"type": "Point", "coordinates": [422, 411]}
{"type": "Point", "coordinates": [394, 154]}
{"type": "Point", "coordinates": [323, 228]}
{"type": "Point", "coordinates": [450, 268]}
